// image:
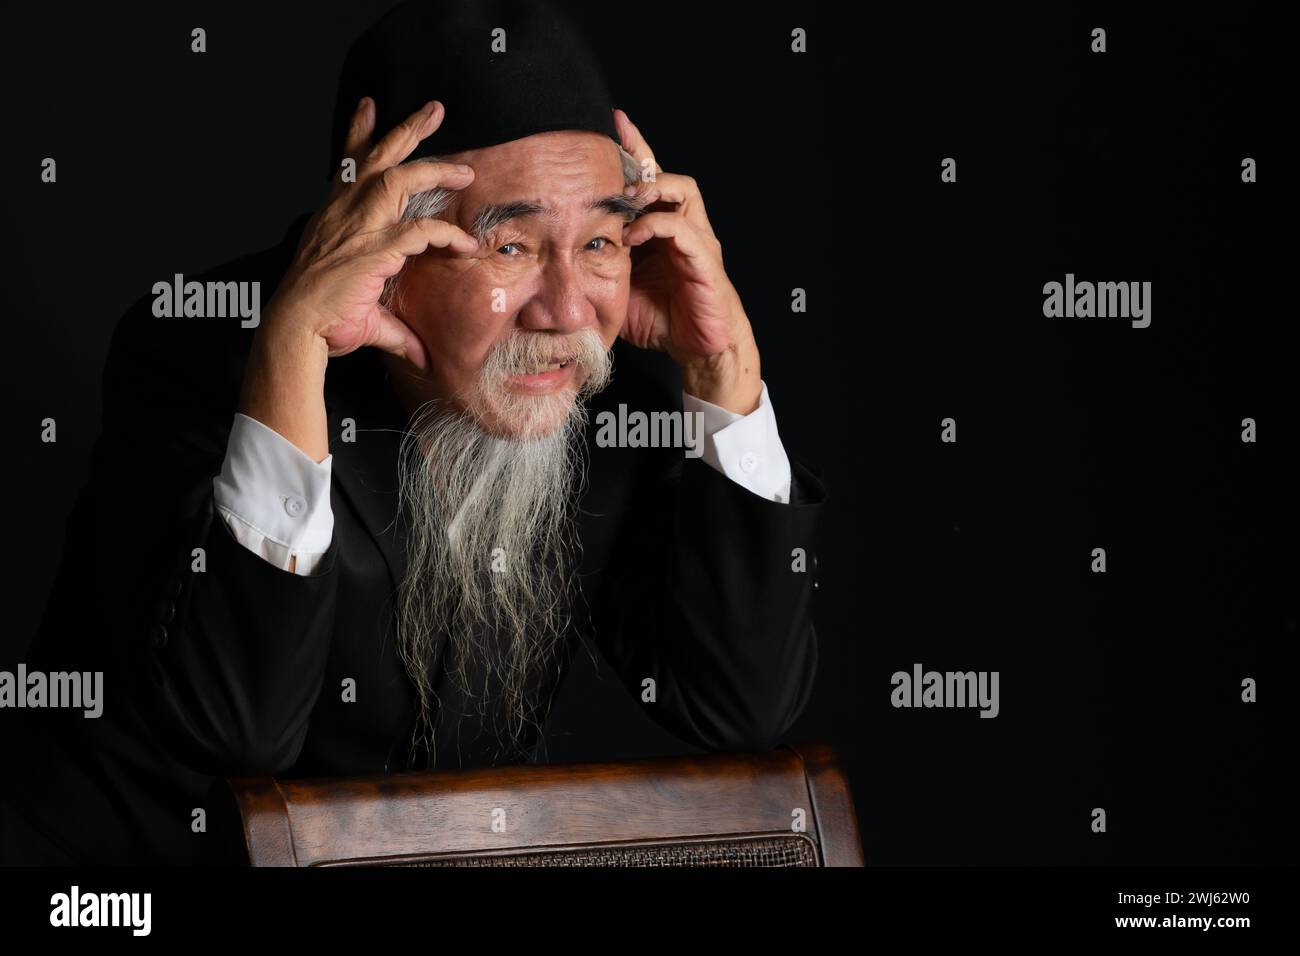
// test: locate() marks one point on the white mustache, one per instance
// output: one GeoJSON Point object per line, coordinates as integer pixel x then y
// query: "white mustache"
{"type": "Point", "coordinates": [531, 352]}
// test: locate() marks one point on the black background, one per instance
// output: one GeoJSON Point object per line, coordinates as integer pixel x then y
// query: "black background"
{"type": "Point", "coordinates": [821, 171]}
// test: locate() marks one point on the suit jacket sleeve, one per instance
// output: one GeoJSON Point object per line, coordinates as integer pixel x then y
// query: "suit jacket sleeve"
{"type": "Point", "coordinates": [222, 653]}
{"type": "Point", "coordinates": [709, 594]}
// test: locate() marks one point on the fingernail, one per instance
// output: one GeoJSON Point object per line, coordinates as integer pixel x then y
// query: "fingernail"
{"type": "Point", "coordinates": [428, 107]}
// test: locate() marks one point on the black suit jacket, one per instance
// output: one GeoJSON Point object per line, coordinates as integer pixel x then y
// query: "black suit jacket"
{"type": "Point", "coordinates": [238, 669]}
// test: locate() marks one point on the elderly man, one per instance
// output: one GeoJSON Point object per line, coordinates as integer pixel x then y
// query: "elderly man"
{"type": "Point", "coordinates": [370, 539]}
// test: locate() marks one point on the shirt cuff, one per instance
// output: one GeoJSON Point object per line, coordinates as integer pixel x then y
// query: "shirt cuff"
{"type": "Point", "coordinates": [275, 499]}
{"type": "Point", "coordinates": [745, 448]}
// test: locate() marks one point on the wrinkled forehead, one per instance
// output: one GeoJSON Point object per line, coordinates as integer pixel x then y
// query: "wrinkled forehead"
{"type": "Point", "coordinates": [561, 174]}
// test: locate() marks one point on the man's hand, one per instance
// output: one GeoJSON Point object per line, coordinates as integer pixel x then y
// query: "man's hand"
{"type": "Point", "coordinates": [327, 304]}
{"type": "Point", "coordinates": [681, 301]}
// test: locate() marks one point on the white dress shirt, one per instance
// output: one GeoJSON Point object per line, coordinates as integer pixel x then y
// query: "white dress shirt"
{"type": "Point", "coordinates": [276, 500]}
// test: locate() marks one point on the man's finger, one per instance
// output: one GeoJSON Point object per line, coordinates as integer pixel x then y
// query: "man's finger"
{"type": "Point", "coordinates": [396, 337]}
{"type": "Point", "coordinates": [402, 139]}
{"type": "Point", "coordinates": [679, 189]}
{"type": "Point", "coordinates": [415, 236]}
{"type": "Point", "coordinates": [634, 142]}
{"type": "Point", "coordinates": [700, 253]}
{"type": "Point", "coordinates": [357, 143]}
{"type": "Point", "coordinates": [388, 193]}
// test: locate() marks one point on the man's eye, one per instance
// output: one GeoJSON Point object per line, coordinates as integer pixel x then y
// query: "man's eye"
{"type": "Point", "coordinates": [507, 246]}
{"type": "Point", "coordinates": [603, 239]}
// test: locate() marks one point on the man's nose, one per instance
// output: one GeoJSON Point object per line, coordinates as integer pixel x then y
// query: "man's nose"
{"type": "Point", "coordinates": [561, 303]}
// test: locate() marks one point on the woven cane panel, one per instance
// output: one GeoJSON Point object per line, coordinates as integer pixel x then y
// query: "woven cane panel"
{"type": "Point", "coordinates": [774, 852]}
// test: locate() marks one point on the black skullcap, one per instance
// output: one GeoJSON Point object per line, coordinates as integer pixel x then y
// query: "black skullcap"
{"type": "Point", "coordinates": [547, 79]}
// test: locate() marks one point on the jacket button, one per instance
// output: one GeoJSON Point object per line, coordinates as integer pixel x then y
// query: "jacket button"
{"type": "Point", "coordinates": [175, 586]}
{"type": "Point", "coordinates": [165, 612]}
{"type": "Point", "coordinates": [158, 636]}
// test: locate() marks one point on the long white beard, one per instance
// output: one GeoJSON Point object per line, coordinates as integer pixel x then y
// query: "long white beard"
{"type": "Point", "coordinates": [491, 534]}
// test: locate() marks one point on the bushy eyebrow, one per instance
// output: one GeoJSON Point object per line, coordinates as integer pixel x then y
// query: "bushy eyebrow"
{"type": "Point", "coordinates": [493, 215]}
{"type": "Point", "coordinates": [629, 207]}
